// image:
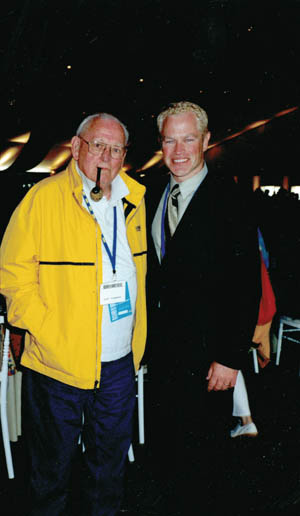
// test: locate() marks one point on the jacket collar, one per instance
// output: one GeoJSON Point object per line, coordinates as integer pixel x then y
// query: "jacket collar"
{"type": "Point", "coordinates": [75, 181]}
{"type": "Point", "coordinates": [136, 190]}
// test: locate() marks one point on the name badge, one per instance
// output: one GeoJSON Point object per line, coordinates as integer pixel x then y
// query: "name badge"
{"type": "Point", "coordinates": [118, 311]}
{"type": "Point", "coordinates": [113, 292]}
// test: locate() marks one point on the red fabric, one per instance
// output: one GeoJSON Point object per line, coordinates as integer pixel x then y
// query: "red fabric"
{"type": "Point", "coordinates": [16, 343]}
{"type": "Point", "coordinates": [267, 307]}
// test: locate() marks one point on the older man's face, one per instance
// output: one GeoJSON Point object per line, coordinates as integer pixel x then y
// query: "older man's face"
{"type": "Point", "coordinates": [105, 131]}
{"type": "Point", "coordinates": [183, 145]}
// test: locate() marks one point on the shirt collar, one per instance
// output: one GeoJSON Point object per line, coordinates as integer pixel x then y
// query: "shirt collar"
{"type": "Point", "coordinates": [190, 185]}
{"type": "Point", "coordinates": [118, 187]}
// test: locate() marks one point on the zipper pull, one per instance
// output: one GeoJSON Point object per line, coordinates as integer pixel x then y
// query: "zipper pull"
{"type": "Point", "coordinates": [95, 386]}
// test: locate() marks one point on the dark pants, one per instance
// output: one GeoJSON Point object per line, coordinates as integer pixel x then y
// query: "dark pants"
{"type": "Point", "coordinates": [53, 412]}
{"type": "Point", "coordinates": [185, 435]}
{"type": "Point", "coordinates": [183, 416]}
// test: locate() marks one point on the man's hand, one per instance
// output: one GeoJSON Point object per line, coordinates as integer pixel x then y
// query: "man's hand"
{"type": "Point", "coordinates": [220, 377]}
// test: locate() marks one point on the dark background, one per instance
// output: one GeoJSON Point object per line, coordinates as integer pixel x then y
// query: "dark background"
{"type": "Point", "coordinates": [239, 59]}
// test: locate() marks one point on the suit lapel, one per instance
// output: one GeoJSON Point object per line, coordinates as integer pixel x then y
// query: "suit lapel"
{"type": "Point", "coordinates": [153, 195]}
{"type": "Point", "coordinates": [196, 220]}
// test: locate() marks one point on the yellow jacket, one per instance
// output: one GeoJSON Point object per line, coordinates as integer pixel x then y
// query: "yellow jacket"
{"type": "Point", "coordinates": [50, 272]}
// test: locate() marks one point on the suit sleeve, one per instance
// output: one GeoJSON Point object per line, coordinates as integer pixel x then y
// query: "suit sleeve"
{"type": "Point", "coordinates": [238, 282]}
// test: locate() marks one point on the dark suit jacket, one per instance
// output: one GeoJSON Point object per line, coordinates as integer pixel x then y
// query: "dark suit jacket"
{"type": "Point", "coordinates": [208, 284]}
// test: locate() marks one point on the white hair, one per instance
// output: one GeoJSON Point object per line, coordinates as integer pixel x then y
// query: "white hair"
{"type": "Point", "coordinates": [85, 124]}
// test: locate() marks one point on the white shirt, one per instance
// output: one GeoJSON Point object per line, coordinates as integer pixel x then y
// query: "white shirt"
{"type": "Point", "coordinates": [187, 189]}
{"type": "Point", "coordinates": [116, 336]}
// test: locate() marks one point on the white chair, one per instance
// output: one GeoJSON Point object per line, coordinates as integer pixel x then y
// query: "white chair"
{"type": "Point", "coordinates": [287, 326]}
{"type": "Point", "coordinates": [3, 400]}
{"type": "Point", "coordinates": [255, 361]}
{"type": "Point", "coordinates": [131, 454]}
{"type": "Point", "coordinates": [140, 398]}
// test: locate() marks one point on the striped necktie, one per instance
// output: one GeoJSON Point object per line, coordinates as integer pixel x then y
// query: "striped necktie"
{"type": "Point", "coordinates": [173, 208]}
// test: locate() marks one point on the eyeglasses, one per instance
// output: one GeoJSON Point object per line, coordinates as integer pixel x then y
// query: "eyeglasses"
{"type": "Point", "coordinates": [96, 148]}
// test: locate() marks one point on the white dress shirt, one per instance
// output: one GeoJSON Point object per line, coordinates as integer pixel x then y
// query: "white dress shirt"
{"type": "Point", "coordinates": [116, 336]}
{"type": "Point", "coordinates": [187, 189]}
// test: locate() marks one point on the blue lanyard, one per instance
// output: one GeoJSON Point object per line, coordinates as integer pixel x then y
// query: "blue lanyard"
{"type": "Point", "coordinates": [112, 256]}
{"type": "Point", "coordinates": [162, 225]}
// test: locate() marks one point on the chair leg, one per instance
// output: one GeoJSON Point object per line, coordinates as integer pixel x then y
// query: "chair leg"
{"type": "Point", "coordinates": [6, 442]}
{"type": "Point", "coordinates": [255, 361]}
{"type": "Point", "coordinates": [279, 343]}
{"type": "Point", "coordinates": [130, 454]}
{"type": "Point", "coordinates": [141, 405]}
{"type": "Point", "coordinates": [4, 423]}
{"type": "Point", "coordinates": [140, 397]}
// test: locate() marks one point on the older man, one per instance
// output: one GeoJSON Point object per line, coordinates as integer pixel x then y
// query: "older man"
{"type": "Point", "coordinates": [204, 291]}
{"type": "Point", "coordinates": [73, 263]}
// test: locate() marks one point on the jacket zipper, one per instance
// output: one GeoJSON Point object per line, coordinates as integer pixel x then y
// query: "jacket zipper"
{"type": "Point", "coordinates": [97, 309]}
{"type": "Point", "coordinates": [97, 382]}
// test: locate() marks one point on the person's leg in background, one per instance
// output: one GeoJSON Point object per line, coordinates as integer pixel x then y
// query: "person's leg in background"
{"type": "Point", "coordinates": [241, 410]}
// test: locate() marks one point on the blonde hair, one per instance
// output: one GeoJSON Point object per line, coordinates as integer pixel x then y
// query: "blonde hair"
{"type": "Point", "coordinates": [176, 108]}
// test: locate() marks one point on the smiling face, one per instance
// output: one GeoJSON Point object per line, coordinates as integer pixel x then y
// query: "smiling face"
{"type": "Point", "coordinates": [109, 132]}
{"type": "Point", "coordinates": [183, 145]}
